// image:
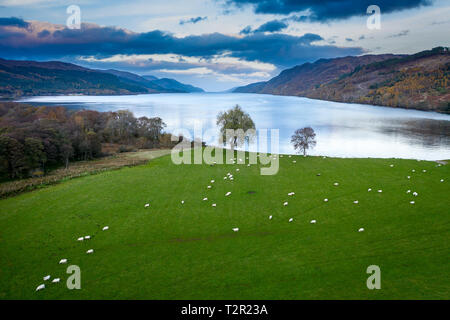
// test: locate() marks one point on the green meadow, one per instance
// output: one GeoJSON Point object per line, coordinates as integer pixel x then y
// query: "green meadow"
{"type": "Point", "coordinates": [172, 250]}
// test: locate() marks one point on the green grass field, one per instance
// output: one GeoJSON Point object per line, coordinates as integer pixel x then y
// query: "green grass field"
{"type": "Point", "coordinates": [189, 251]}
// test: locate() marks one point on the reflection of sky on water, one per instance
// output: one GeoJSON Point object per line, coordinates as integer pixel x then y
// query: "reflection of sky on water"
{"type": "Point", "coordinates": [343, 130]}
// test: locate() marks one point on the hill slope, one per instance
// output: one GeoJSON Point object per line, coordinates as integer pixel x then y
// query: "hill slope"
{"type": "Point", "coordinates": [411, 81]}
{"type": "Point", "coordinates": [24, 78]}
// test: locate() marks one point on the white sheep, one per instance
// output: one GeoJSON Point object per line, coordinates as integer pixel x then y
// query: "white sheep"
{"type": "Point", "coordinates": [409, 191]}
{"type": "Point", "coordinates": [442, 180]}
{"type": "Point", "coordinates": [424, 170]}
{"type": "Point", "coordinates": [291, 219]}
{"type": "Point", "coordinates": [182, 201]}
{"type": "Point", "coordinates": [313, 221]}
{"type": "Point", "coordinates": [40, 287]}
{"type": "Point", "coordinates": [62, 261]}
{"type": "Point", "coordinates": [336, 184]}
{"type": "Point", "coordinates": [413, 170]}
{"type": "Point", "coordinates": [224, 178]}
{"type": "Point", "coordinates": [46, 278]}
{"type": "Point", "coordinates": [285, 204]}
{"type": "Point", "coordinates": [147, 205]}
{"type": "Point", "coordinates": [90, 251]}
{"type": "Point", "coordinates": [227, 194]}
{"type": "Point", "coordinates": [325, 200]}
{"type": "Point", "coordinates": [209, 187]}
{"type": "Point", "coordinates": [408, 177]}
{"type": "Point", "coordinates": [105, 228]}
{"type": "Point", "coordinates": [87, 237]}
{"type": "Point", "coordinates": [415, 194]}
{"type": "Point", "coordinates": [213, 204]}
{"type": "Point", "coordinates": [412, 202]}
{"type": "Point", "coordinates": [360, 229]}
{"type": "Point", "coordinates": [270, 217]}
{"type": "Point", "coordinates": [248, 165]}
{"type": "Point", "coordinates": [391, 165]}
{"type": "Point", "coordinates": [235, 229]}
{"type": "Point", "coordinates": [237, 169]}
{"type": "Point", "coordinates": [294, 161]}
{"type": "Point", "coordinates": [204, 199]}
{"type": "Point", "coordinates": [212, 181]}
{"type": "Point", "coordinates": [356, 202]}
{"type": "Point", "coordinates": [380, 191]}
{"type": "Point", "coordinates": [56, 280]}
{"type": "Point", "coordinates": [80, 239]}
{"type": "Point", "coordinates": [370, 189]}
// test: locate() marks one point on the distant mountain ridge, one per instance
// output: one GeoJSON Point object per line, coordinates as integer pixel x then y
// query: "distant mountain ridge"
{"type": "Point", "coordinates": [418, 81]}
{"type": "Point", "coordinates": [25, 78]}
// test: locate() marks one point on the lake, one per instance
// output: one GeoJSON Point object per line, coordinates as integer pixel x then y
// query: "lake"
{"type": "Point", "coordinates": [343, 130]}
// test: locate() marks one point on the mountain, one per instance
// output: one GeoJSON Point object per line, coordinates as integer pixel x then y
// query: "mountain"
{"type": "Point", "coordinates": [24, 78]}
{"type": "Point", "coordinates": [418, 81]}
{"type": "Point", "coordinates": [172, 84]}
{"type": "Point", "coordinates": [152, 82]}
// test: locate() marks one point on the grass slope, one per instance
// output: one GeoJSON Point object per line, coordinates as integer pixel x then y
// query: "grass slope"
{"type": "Point", "coordinates": [175, 251]}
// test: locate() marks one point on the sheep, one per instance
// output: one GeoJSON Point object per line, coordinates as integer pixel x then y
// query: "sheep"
{"type": "Point", "coordinates": [204, 199]}
{"type": "Point", "coordinates": [227, 194]}
{"type": "Point", "coordinates": [237, 169]}
{"type": "Point", "coordinates": [209, 187]}
{"type": "Point", "coordinates": [56, 280]}
{"type": "Point", "coordinates": [147, 205]}
{"type": "Point", "coordinates": [412, 202]}
{"type": "Point", "coordinates": [360, 229]}
{"type": "Point", "coordinates": [248, 165]}
{"type": "Point", "coordinates": [46, 278]}
{"type": "Point", "coordinates": [409, 191]}
{"type": "Point", "coordinates": [442, 180]}
{"type": "Point", "coordinates": [231, 178]}
{"type": "Point", "coordinates": [270, 217]}
{"type": "Point", "coordinates": [370, 189]}
{"type": "Point", "coordinates": [294, 161]}
{"type": "Point", "coordinates": [356, 202]}
{"type": "Point", "coordinates": [212, 181]}
{"type": "Point", "coordinates": [291, 193]}
{"type": "Point", "coordinates": [291, 219]}
{"type": "Point", "coordinates": [408, 177]}
{"type": "Point", "coordinates": [290, 156]}
{"type": "Point", "coordinates": [325, 200]}
{"type": "Point", "coordinates": [87, 237]}
{"type": "Point", "coordinates": [62, 261]}
{"type": "Point", "coordinates": [213, 204]}
{"type": "Point", "coordinates": [40, 287]}
{"type": "Point", "coordinates": [415, 194]}
{"type": "Point", "coordinates": [380, 191]}
{"type": "Point", "coordinates": [424, 170]}
{"type": "Point", "coordinates": [182, 201]}
{"type": "Point", "coordinates": [391, 166]}
{"type": "Point", "coordinates": [336, 184]}
{"type": "Point", "coordinates": [235, 229]}
{"type": "Point", "coordinates": [105, 228]}
{"type": "Point", "coordinates": [224, 178]}
{"type": "Point", "coordinates": [285, 204]}
{"type": "Point", "coordinates": [313, 221]}
{"type": "Point", "coordinates": [80, 239]}
{"type": "Point", "coordinates": [90, 251]}
{"type": "Point", "coordinates": [413, 170]}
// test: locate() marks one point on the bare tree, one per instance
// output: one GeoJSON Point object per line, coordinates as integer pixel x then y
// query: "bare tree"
{"type": "Point", "coordinates": [304, 139]}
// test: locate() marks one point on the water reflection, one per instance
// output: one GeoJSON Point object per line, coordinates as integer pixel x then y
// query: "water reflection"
{"type": "Point", "coordinates": [343, 130]}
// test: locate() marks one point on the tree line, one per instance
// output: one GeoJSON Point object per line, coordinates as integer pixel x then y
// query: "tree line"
{"type": "Point", "coordinates": [35, 139]}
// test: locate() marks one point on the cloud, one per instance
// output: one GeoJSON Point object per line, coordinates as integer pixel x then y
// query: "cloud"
{"type": "Point", "coordinates": [193, 20]}
{"type": "Point", "coordinates": [13, 22]}
{"type": "Point", "coordinates": [270, 26]}
{"type": "Point", "coordinates": [93, 40]}
{"type": "Point", "coordinates": [349, 39]}
{"type": "Point", "coordinates": [400, 34]}
{"type": "Point", "coordinates": [327, 9]}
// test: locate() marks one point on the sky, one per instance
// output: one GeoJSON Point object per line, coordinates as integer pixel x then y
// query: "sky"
{"type": "Point", "coordinates": [216, 44]}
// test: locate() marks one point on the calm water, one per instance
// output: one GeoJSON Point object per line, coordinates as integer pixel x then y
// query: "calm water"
{"type": "Point", "coordinates": [343, 130]}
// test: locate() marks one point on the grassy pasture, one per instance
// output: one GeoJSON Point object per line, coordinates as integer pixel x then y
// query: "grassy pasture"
{"type": "Point", "coordinates": [189, 251]}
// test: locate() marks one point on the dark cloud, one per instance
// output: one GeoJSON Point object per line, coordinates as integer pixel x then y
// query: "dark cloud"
{"type": "Point", "coordinates": [270, 26]}
{"type": "Point", "coordinates": [326, 10]}
{"type": "Point", "coordinates": [284, 50]}
{"type": "Point", "coordinates": [13, 22]}
{"type": "Point", "coordinates": [193, 20]}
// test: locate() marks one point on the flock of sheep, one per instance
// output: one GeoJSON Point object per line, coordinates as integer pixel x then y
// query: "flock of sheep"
{"type": "Point", "coordinates": [228, 177]}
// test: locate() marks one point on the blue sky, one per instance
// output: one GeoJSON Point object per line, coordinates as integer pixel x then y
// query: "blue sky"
{"type": "Point", "coordinates": [216, 44]}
